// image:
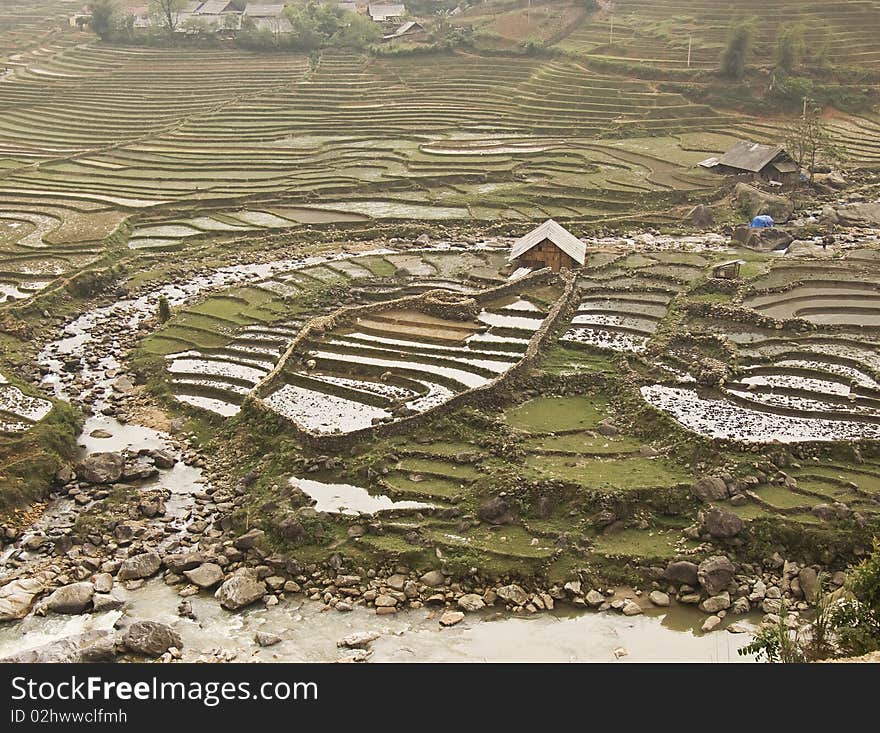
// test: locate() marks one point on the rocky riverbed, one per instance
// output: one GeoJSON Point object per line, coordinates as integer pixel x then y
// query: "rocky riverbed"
{"type": "Point", "coordinates": [136, 555]}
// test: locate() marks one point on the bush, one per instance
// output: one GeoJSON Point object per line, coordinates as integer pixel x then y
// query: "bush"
{"type": "Point", "coordinates": [735, 56]}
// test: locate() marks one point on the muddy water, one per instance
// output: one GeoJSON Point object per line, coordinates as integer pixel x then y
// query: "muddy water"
{"type": "Point", "coordinates": [309, 632]}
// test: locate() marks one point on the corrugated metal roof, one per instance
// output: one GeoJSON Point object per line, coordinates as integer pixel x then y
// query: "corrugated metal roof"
{"type": "Point", "coordinates": [264, 10]}
{"type": "Point", "coordinates": [786, 166]}
{"type": "Point", "coordinates": [556, 233]}
{"type": "Point", "coordinates": [212, 7]}
{"type": "Point", "coordinates": [381, 12]}
{"type": "Point", "coordinates": [750, 156]}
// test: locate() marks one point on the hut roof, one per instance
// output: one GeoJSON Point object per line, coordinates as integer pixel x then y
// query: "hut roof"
{"type": "Point", "coordinates": [212, 7]}
{"type": "Point", "coordinates": [382, 12]}
{"type": "Point", "coordinates": [556, 233]}
{"type": "Point", "coordinates": [261, 10]}
{"type": "Point", "coordinates": [750, 156]}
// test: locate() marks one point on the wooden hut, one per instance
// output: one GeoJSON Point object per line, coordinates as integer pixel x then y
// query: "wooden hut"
{"type": "Point", "coordinates": [550, 245]}
{"type": "Point", "coordinates": [728, 270]}
{"type": "Point", "coordinates": [768, 162]}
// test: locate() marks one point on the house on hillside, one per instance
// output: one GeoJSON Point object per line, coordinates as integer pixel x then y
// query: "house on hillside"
{"type": "Point", "coordinates": [386, 13]}
{"type": "Point", "coordinates": [410, 30]}
{"type": "Point", "coordinates": [549, 245]}
{"type": "Point", "coordinates": [767, 162]}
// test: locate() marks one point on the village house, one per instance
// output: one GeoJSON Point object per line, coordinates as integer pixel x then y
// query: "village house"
{"type": "Point", "coordinates": [770, 163]}
{"type": "Point", "coordinates": [411, 31]}
{"type": "Point", "coordinates": [386, 13]}
{"type": "Point", "coordinates": [549, 245]}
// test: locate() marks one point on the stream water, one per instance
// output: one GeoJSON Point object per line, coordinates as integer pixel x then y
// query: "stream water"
{"type": "Point", "coordinates": [308, 630]}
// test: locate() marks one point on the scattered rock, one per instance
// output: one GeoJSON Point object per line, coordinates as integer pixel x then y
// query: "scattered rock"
{"type": "Point", "coordinates": [151, 639]}
{"type": "Point", "coordinates": [206, 575]}
{"type": "Point", "coordinates": [101, 468]}
{"type": "Point", "coordinates": [512, 594]}
{"type": "Point", "coordinates": [358, 640]}
{"type": "Point", "coordinates": [722, 523]}
{"type": "Point", "coordinates": [471, 602]}
{"type": "Point", "coordinates": [710, 488]}
{"type": "Point", "coordinates": [495, 511]}
{"type": "Point", "coordinates": [715, 574]}
{"type": "Point", "coordinates": [757, 202]}
{"type": "Point", "coordinates": [594, 598]}
{"type": "Point", "coordinates": [86, 648]}
{"type": "Point", "coordinates": [17, 597]}
{"type": "Point", "coordinates": [139, 566]}
{"type": "Point", "coordinates": [433, 579]}
{"type": "Point", "coordinates": [631, 608]}
{"type": "Point", "coordinates": [73, 598]}
{"type": "Point", "coordinates": [264, 638]}
{"type": "Point", "coordinates": [239, 591]}
{"type": "Point", "coordinates": [659, 598]}
{"type": "Point", "coordinates": [451, 618]}
{"type": "Point", "coordinates": [682, 572]}
{"type": "Point", "coordinates": [711, 623]}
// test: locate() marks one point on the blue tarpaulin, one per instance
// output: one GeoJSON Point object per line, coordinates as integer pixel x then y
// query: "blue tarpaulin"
{"type": "Point", "coordinates": [762, 222]}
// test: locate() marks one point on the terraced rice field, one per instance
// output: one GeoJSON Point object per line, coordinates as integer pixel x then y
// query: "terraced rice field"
{"type": "Point", "coordinates": [851, 303]}
{"type": "Point", "coordinates": [658, 32]}
{"type": "Point", "coordinates": [18, 411]}
{"type": "Point", "coordinates": [389, 364]}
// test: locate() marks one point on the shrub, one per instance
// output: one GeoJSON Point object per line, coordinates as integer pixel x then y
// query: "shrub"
{"type": "Point", "coordinates": [164, 309]}
{"type": "Point", "coordinates": [735, 56]}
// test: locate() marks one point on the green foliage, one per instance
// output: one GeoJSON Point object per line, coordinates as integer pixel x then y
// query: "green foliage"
{"type": "Point", "coordinates": [314, 26]}
{"type": "Point", "coordinates": [166, 12]}
{"type": "Point", "coordinates": [164, 309]}
{"type": "Point", "coordinates": [776, 644]}
{"type": "Point", "coordinates": [104, 18]}
{"type": "Point", "coordinates": [857, 619]}
{"type": "Point", "coordinates": [790, 48]}
{"type": "Point", "coordinates": [735, 56]}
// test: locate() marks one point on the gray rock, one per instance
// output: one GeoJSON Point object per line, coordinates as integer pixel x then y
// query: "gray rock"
{"type": "Point", "coordinates": [659, 598]}
{"type": "Point", "coordinates": [512, 594]}
{"type": "Point", "coordinates": [701, 217]}
{"type": "Point", "coordinates": [151, 639]}
{"type": "Point", "coordinates": [101, 468]}
{"type": "Point", "coordinates": [264, 638]}
{"type": "Point", "coordinates": [631, 608]}
{"type": "Point", "coordinates": [239, 591]}
{"type": "Point", "coordinates": [714, 604]}
{"type": "Point", "coordinates": [139, 566]}
{"type": "Point", "coordinates": [809, 580]}
{"type": "Point", "coordinates": [102, 602]}
{"type": "Point", "coordinates": [433, 579]}
{"type": "Point", "coordinates": [495, 511]}
{"type": "Point", "coordinates": [358, 640]}
{"type": "Point", "coordinates": [17, 597]}
{"type": "Point", "coordinates": [682, 572]}
{"type": "Point", "coordinates": [86, 648]}
{"type": "Point", "coordinates": [451, 618]}
{"type": "Point", "coordinates": [715, 574]}
{"type": "Point", "coordinates": [103, 583]}
{"type": "Point", "coordinates": [594, 598]}
{"type": "Point", "coordinates": [248, 540]}
{"type": "Point", "coordinates": [722, 523]}
{"type": "Point", "coordinates": [756, 202]}
{"type": "Point", "coordinates": [859, 215]}
{"type": "Point", "coordinates": [710, 488]}
{"type": "Point", "coordinates": [181, 561]}
{"type": "Point", "coordinates": [206, 575]}
{"type": "Point", "coordinates": [711, 623]}
{"type": "Point", "coordinates": [73, 598]}
{"type": "Point", "coordinates": [471, 602]}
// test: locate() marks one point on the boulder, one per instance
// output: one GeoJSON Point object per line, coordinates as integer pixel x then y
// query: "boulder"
{"type": "Point", "coordinates": [756, 202]}
{"type": "Point", "coordinates": [495, 511]}
{"type": "Point", "coordinates": [659, 598]}
{"type": "Point", "coordinates": [682, 572]}
{"type": "Point", "coordinates": [239, 591]}
{"type": "Point", "coordinates": [859, 215]}
{"type": "Point", "coordinates": [471, 602]}
{"type": "Point", "coordinates": [358, 640]}
{"type": "Point", "coordinates": [103, 583]}
{"type": "Point", "coordinates": [17, 597]}
{"type": "Point", "coordinates": [763, 240]}
{"type": "Point", "coordinates": [715, 573]}
{"type": "Point", "coordinates": [711, 623]}
{"type": "Point", "coordinates": [722, 523]}
{"type": "Point", "coordinates": [701, 217]}
{"type": "Point", "coordinates": [103, 602]}
{"type": "Point", "coordinates": [714, 604]}
{"type": "Point", "coordinates": [451, 618]}
{"type": "Point", "coordinates": [151, 639]}
{"type": "Point", "coordinates": [181, 561]}
{"type": "Point", "coordinates": [809, 580]}
{"type": "Point", "coordinates": [631, 608]}
{"type": "Point", "coordinates": [594, 598]}
{"type": "Point", "coordinates": [86, 648]}
{"type": "Point", "coordinates": [163, 459]}
{"type": "Point", "coordinates": [206, 575]}
{"type": "Point", "coordinates": [101, 468]}
{"type": "Point", "coordinates": [264, 638]}
{"type": "Point", "coordinates": [248, 540]}
{"type": "Point", "coordinates": [139, 566]}
{"type": "Point", "coordinates": [710, 488]}
{"type": "Point", "coordinates": [292, 529]}
{"type": "Point", "coordinates": [512, 594]}
{"type": "Point", "coordinates": [433, 579]}
{"type": "Point", "coordinates": [73, 598]}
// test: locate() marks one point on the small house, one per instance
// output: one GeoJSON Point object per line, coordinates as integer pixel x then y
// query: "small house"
{"type": "Point", "coordinates": [410, 30]}
{"type": "Point", "coordinates": [728, 270]}
{"type": "Point", "coordinates": [550, 245]}
{"type": "Point", "coordinates": [264, 10]}
{"type": "Point", "coordinates": [386, 13]}
{"type": "Point", "coordinates": [768, 162]}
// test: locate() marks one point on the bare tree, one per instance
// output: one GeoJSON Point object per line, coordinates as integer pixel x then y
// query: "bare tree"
{"type": "Point", "coordinates": [808, 141]}
{"type": "Point", "coordinates": [167, 12]}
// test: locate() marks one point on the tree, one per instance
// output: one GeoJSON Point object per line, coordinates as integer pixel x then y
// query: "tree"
{"type": "Point", "coordinates": [167, 13]}
{"type": "Point", "coordinates": [736, 54]}
{"type": "Point", "coordinates": [807, 141]}
{"type": "Point", "coordinates": [356, 31]}
{"type": "Point", "coordinates": [790, 48]}
{"type": "Point", "coordinates": [103, 18]}
{"type": "Point", "coordinates": [164, 309]}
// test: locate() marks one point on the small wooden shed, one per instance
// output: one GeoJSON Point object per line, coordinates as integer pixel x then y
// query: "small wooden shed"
{"type": "Point", "coordinates": [728, 270]}
{"type": "Point", "coordinates": [549, 245]}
